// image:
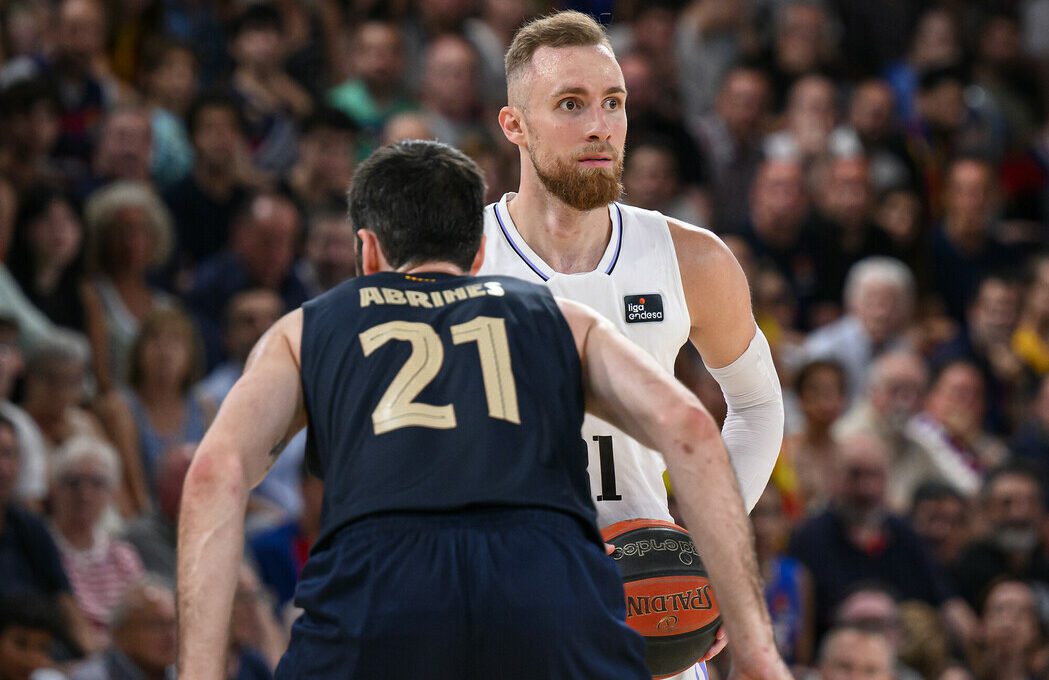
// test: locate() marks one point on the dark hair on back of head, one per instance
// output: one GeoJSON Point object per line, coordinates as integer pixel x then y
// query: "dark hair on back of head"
{"type": "Point", "coordinates": [31, 611]}
{"type": "Point", "coordinates": [934, 490]}
{"type": "Point", "coordinates": [423, 200]}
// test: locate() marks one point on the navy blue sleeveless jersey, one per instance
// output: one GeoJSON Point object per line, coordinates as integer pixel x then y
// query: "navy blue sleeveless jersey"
{"type": "Point", "coordinates": [438, 393]}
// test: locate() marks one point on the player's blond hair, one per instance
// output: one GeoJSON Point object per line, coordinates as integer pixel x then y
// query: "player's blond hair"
{"type": "Point", "coordinates": [563, 29]}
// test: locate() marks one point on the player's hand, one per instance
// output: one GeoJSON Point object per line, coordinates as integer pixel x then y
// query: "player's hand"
{"type": "Point", "coordinates": [764, 665]}
{"type": "Point", "coordinates": [609, 549]}
{"type": "Point", "coordinates": [720, 642]}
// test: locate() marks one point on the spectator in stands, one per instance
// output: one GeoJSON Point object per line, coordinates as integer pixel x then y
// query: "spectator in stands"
{"type": "Point", "coordinates": [331, 256]}
{"type": "Point", "coordinates": [249, 315]}
{"type": "Point", "coordinates": [1031, 440]}
{"type": "Point", "coordinates": [895, 391]}
{"type": "Point", "coordinates": [1030, 341]}
{"type": "Point", "coordinates": [129, 238]}
{"type": "Point", "coordinates": [448, 91]}
{"type": "Point", "coordinates": [879, 299]}
{"type": "Point", "coordinates": [1014, 640]}
{"type": "Point", "coordinates": [32, 483]}
{"type": "Point", "coordinates": [965, 248]}
{"type": "Point", "coordinates": [84, 94]}
{"type": "Point", "coordinates": [1013, 508]}
{"type": "Point", "coordinates": [821, 387]}
{"type": "Point", "coordinates": [652, 180]}
{"type": "Point", "coordinates": [940, 515]}
{"type": "Point", "coordinates": [144, 631]}
{"type": "Point", "coordinates": [407, 125]}
{"type": "Point", "coordinates": [843, 224]}
{"type": "Point", "coordinates": [986, 341]}
{"type": "Point", "coordinates": [56, 371]}
{"type": "Point", "coordinates": [261, 254]}
{"type": "Point", "coordinates": [204, 202]}
{"type": "Point", "coordinates": [852, 651]}
{"type": "Point", "coordinates": [154, 534]}
{"type": "Point", "coordinates": [169, 85]}
{"type": "Point", "coordinates": [651, 114]}
{"type": "Point", "coordinates": [29, 628]}
{"type": "Point", "coordinates": [776, 229]}
{"type": "Point", "coordinates": [898, 213]}
{"type": "Point", "coordinates": [803, 42]}
{"type": "Point", "coordinates": [950, 427]}
{"type": "Point", "coordinates": [810, 123]}
{"type": "Point", "coordinates": [30, 564]}
{"type": "Point", "coordinates": [271, 99]}
{"type": "Point", "coordinates": [257, 638]}
{"type": "Point", "coordinates": [29, 112]}
{"type": "Point", "coordinates": [47, 260]}
{"type": "Point", "coordinates": [932, 135]}
{"type": "Point", "coordinates": [321, 175]}
{"type": "Point", "coordinates": [874, 607]}
{"type": "Point", "coordinates": [123, 151]}
{"type": "Point", "coordinates": [86, 475]}
{"type": "Point", "coordinates": [165, 364]}
{"type": "Point", "coordinates": [936, 42]}
{"type": "Point", "coordinates": [857, 539]}
{"type": "Point", "coordinates": [872, 116]}
{"type": "Point", "coordinates": [788, 584]}
{"type": "Point", "coordinates": [730, 137]}
{"type": "Point", "coordinates": [281, 551]}
{"type": "Point", "coordinates": [375, 92]}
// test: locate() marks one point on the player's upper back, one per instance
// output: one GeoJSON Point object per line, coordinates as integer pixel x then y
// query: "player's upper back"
{"type": "Point", "coordinates": [636, 284]}
{"type": "Point", "coordinates": [434, 392]}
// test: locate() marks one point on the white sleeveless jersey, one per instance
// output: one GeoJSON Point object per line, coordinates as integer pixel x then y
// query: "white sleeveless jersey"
{"type": "Point", "coordinates": [637, 285]}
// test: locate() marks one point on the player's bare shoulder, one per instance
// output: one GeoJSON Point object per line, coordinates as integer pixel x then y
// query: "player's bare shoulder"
{"type": "Point", "coordinates": [710, 274]}
{"type": "Point", "coordinates": [283, 340]}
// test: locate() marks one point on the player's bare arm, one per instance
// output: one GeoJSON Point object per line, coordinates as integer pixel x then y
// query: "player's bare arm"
{"type": "Point", "coordinates": [725, 334]}
{"type": "Point", "coordinates": [629, 389]}
{"type": "Point", "coordinates": [261, 412]}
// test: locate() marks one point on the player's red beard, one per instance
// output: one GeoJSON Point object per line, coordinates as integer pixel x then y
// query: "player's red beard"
{"type": "Point", "coordinates": [578, 186]}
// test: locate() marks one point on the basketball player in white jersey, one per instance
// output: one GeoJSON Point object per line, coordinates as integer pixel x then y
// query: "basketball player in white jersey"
{"type": "Point", "coordinates": [663, 283]}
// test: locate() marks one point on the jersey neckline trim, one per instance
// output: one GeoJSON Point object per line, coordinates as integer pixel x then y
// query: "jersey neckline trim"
{"type": "Point", "coordinates": [539, 266]}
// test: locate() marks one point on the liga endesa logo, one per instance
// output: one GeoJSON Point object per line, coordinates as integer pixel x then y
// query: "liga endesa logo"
{"type": "Point", "coordinates": [643, 308]}
{"type": "Point", "coordinates": [685, 550]}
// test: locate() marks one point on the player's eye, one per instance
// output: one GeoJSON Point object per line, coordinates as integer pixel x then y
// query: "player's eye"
{"type": "Point", "coordinates": [612, 104]}
{"type": "Point", "coordinates": [568, 105]}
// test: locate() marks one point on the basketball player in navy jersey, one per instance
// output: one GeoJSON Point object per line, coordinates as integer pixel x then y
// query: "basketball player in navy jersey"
{"type": "Point", "coordinates": [458, 537]}
{"type": "Point", "coordinates": [663, 283]}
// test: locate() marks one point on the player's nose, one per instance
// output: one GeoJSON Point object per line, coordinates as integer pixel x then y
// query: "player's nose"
{"type": "Point", "coordinates": [599, 128]}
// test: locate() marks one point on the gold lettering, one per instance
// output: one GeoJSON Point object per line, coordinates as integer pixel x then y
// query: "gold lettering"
{"type": "Point", "coordinates": [370, 295]}
{"type": "Point", "coordinates": [454, 295]}
{"type": "Point", "coordinates": [438, 301]}
{"type": "Point", "coordinates": [394, 296]}
{"type": "Point", "coordinates": [475, 290]}
{"type": "Point", "coordinates": [417, 299]}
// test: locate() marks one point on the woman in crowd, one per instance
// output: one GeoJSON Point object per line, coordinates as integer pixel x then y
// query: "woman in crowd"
{"type": "Point", "coordinates": [86, 474]}
{"type": "Point", "coordinates": [130, 235]}
{"type": "Point", "coordinates": [159, 409]}
{"type": "Point", "coordinates": [47, 261]}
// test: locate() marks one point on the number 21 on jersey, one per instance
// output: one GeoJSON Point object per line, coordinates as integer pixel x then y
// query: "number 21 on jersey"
{"type": "Point", "coordinates": [397, 408]}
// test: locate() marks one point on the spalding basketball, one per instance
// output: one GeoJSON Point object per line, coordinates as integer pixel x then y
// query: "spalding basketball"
{"type": "Point", "coordinates": [669, 599]}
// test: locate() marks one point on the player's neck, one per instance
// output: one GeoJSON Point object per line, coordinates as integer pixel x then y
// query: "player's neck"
{"type": "Point", "coordinates": [432, 268]}
{"type": "Point", "coordinates": [570, 241]}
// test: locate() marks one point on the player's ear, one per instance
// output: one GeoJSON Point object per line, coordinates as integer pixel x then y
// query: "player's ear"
{"type": "Point", "coordinates": [371, 256]}
{"type": "Point", "coordinates": [512, 124]}
{"type": "Point", "coordinates": [478, 258]}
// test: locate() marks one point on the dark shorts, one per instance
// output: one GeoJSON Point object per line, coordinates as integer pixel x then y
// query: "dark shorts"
{"type": "Point", "coordinates": [505, 594]}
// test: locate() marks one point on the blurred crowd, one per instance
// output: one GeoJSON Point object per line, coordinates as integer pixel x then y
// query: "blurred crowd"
{"type": "Point", "coordinates": [172, 180]}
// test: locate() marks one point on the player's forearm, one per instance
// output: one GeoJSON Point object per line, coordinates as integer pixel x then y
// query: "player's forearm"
{"type": "Point", "coordinates": [706, 491]}
{"type": "Point", "coordinates": [210, 548]}
{"type": "Point", "coordinates": [753, 430]}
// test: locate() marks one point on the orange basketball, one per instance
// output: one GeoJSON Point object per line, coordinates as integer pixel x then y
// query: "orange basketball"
{"type": "Point", "coordinates": [669, 598]}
